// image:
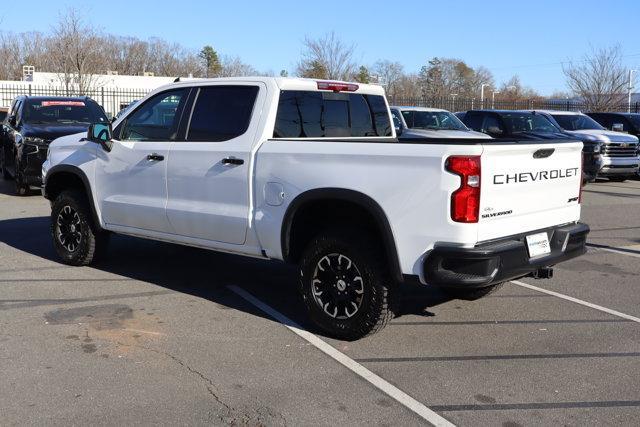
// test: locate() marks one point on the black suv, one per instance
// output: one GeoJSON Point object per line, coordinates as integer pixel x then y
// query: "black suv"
{"type": "Point", "coordinates": [620, 122]}
{"type": "Point", "coordinates": [30, 126]}
{"type": "Point", "coordinates": [529, 125]}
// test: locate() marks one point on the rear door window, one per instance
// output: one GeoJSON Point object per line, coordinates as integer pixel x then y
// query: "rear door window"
{"type": "Point", "coordinates": [307, 114]}
{"type": "Point", "coordinates": [221, 113]}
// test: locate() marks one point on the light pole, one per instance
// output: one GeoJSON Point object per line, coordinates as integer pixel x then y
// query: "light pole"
{"type": "Point", "coordinates": [630, 89]}
{"type": "Point", "coordinates": [482, 93]}
{"type": "Point", "coordinates": [453, 98]}
{"type": "Point", "coordinates": [493, 99]}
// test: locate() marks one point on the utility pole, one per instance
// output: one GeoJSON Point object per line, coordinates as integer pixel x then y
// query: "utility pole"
{"type": "Point", "coordinates": [630, 89]}
{"type": "Point", "coordinates": [493, 99]}
{"type": "Point", "coordinates": [482, 93]}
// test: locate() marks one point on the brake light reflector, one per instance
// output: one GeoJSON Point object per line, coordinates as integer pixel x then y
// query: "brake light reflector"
{"type": "Point", "coordinates": [465, 201]}
{"type": "Point", "coordinates": [338, 86]}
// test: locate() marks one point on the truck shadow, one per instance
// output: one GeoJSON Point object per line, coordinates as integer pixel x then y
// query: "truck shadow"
{"type": "Point", "coordinates": [198, 272]}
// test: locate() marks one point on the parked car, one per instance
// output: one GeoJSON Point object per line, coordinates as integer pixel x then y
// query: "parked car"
{"type": "Point", "coordinates": [623, 152]}
{"type": "Point", "coordinates": [32, 123]}
{"type": "Point", "coordinates": [595, 138]}
{"type": "Point", "coordinates": [530, 125]}
{"type": "Point", "coordinates": [310, 172]}
{"type": "Point", "coordinates": [420, 122]}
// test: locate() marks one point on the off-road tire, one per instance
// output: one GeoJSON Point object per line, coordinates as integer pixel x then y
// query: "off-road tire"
{"type": "Point", "coordinates": [378, 297]}
{"type": "Point", "coordinates": [85, 242]}
{"type": "Point", "coordinates": [471, 294]}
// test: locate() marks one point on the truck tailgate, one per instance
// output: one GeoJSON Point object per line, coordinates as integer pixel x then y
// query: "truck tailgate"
{"type": "Point", "coordinates": [528, 186]}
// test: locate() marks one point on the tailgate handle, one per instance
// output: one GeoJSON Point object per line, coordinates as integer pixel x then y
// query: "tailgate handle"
{"type": "Point", "coordinates": [543, 153]}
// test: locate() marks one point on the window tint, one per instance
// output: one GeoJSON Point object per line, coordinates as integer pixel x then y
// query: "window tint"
{"type": "Point", "coordinates": [491, 122]}
{"type": "Point", "coordinates": [528, 122]}
{"type": "Point", "coordinates": [305, 114]}
{"type": "Point", "coordinates": [156, 119]}
{"type": "Point", "coordinates": [473, 121]}
{"type": "Point", "coordinates": [576, 122]}
{"type": "Point", "coordinates": [602, 119]}
{"type": "Point", "coordinates": [444, 120]}
{"type": "Point", "coordinates": [396, 118]}
{"type": "Point", "coordinates": [56, 110]}
{"type": "Point", "coordinates": [18, 112]}
{"type": "Point", "coordinates": [222, 112]}
{"type": "Point", "coordinates": [633, 122]}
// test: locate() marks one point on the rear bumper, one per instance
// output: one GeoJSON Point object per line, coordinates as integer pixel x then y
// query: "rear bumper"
{"type": "Point", "coordinates": [501, 260]}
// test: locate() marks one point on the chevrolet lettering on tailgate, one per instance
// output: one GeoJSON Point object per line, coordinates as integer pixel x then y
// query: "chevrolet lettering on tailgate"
{"type": "Point", "coordinates": [534, 176]}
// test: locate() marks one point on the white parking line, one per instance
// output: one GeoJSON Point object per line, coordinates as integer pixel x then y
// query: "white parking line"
{"type": "Point", "coordinates": [578, 301]}
{"type": "Point", "coordinates": [621, 251]}
{"type": "Point", "coordinates": [378, 382]}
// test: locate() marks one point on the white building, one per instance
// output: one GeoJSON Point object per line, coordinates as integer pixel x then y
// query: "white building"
{"type": "Point", "coordinates": [112, 91]}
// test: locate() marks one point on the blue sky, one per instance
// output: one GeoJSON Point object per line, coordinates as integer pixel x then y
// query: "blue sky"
{"type": "Point", "coordinates": [508, 37]}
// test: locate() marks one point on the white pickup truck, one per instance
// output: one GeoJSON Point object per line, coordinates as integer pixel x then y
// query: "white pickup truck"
{"type": "Point", "coordinates": [310, 172]}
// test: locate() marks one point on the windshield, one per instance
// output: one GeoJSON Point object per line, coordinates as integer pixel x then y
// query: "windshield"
{"type": "Point", "coordinates": [63, 111]}
{"type": "Point", "coordinates": [528, 122]}
{"type": "Point", "coordinates": [436, 120]}
{"type": "Point", "coordinates": [576, 122]}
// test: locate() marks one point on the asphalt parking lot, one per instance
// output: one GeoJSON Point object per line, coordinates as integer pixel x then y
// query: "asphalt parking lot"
{"type": "Point", "coordinates": [162, 334]}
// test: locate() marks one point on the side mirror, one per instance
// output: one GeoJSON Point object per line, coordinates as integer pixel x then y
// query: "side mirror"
{"type": "Point", "coordinates": [100, 133]}
{"type": "Point", "coordinates": [617, 127]}
{"type": "Point", "coordinates": [494, 131]}
{"type": "Point", "coordinates": [398, 130]}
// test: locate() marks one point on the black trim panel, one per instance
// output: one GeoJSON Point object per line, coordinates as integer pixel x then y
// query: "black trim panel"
{"type": "Point", "coordinates": [342, 194]}
{"type": "Point", "coordinates": [501, 260]}
{"type": "Point", "coordinates": [74, 170]}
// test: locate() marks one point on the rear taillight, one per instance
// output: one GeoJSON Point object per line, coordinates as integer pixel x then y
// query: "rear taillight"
{"type": "Point", "coordinates": [465, 201]}
{"type": "Point", "coordinates": [337, 86]}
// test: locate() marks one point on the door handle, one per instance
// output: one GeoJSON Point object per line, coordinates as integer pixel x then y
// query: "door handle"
{"type": "Point", "coordinates": [155, 157]}
{"type": "Point", "coordinates": [232, 161]}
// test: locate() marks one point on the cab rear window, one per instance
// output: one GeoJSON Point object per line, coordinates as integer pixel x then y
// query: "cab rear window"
{"type": "Point", "coordinates": [307, 114]}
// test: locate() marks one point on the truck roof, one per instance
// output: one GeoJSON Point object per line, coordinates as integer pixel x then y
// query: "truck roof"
{"type": "Point", "coordinates": [283, 83]}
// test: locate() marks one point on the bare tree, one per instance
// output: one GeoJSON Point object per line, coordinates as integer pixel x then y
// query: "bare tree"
{"type": "Point", "coordinates": [514, 90]}
{"type": "Point", "coordinates": [389, 74]}
{"type": "Point", "coordinates": [599, 79]}
{"type": "Point", "coordinates": [330, 54]}
{"type": "Point", "coordinates": [232, 66]}
{"type": "Point", "coordinates": [75, 52]}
